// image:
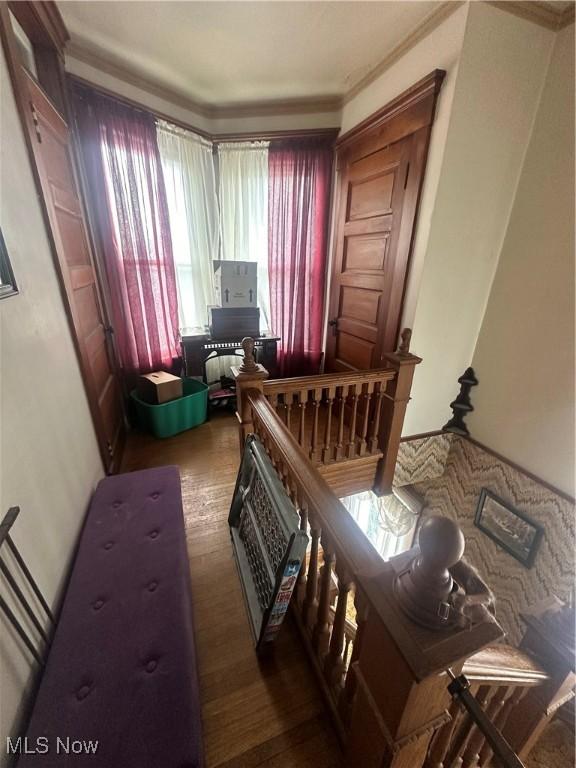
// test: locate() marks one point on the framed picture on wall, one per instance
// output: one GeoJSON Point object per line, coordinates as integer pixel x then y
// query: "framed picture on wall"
{"type": "Point", "coordinates": [8, 285]}
{"type": "Point", "coordinates": [508, 527]}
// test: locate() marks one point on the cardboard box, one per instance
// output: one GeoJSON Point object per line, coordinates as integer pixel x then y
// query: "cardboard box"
{"type": "Point", "coordinates": [159, 387]}
{"type": "Point", "coordinates": [235, 322]}
{"type": "Point", "coordinates": [235, 283]}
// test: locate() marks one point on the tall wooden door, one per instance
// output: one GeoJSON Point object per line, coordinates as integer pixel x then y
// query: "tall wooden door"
{"type": "Point", "coordinates": [380, 167]}
{"type": "Point", "coordinates": [52, 151]}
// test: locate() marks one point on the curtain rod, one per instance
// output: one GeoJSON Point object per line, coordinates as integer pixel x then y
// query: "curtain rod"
{"type": "Point", "coordinates": [76, 80]}
{"type": "Point", "coordinates": [330, 134]}
{"type": "Point", "coordinates": [245, 146]}
{"type": "Point", "coordinates": [189, 135]}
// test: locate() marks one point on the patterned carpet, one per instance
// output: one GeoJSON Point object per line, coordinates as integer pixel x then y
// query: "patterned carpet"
{"type": "Point", "coordinates": [555, 748]}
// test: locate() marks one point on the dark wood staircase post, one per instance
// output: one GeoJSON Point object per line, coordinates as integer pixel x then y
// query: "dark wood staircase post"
{"type": "Point", "coordinates": [401, 693]}
{"type": "Point", "coordinates": [248, 375]}
{"type": "Point", "coordinates": [394, 402]}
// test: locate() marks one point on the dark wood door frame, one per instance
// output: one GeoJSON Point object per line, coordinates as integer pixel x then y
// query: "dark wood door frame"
{"type": "Point", "coordinates": [410, 115]}
{"type": "Point", "coordinates": [44, 26]}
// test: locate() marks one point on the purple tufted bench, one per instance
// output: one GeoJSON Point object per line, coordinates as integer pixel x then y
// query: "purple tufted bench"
{"type": "Point", "coordinates": [122, 667]}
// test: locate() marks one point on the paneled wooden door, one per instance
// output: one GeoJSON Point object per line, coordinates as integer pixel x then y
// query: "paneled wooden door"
{"type": "Point", "coordinates": [380, 168]}
{"type": "Point", "coordinates": [52, 151]}
{"type": "Point", "coordinates": [368, 232]}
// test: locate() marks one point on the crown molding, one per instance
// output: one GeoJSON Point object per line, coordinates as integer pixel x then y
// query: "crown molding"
{"type": "Point", "coordinates": [426, 26]}
{"type": "Point", "coordinates": [212, 111]}
{"type": "Point", "coordinates": [543, 14]}
{"type": "Point", "coordinates": [279, 107]}
{"type": "Point", "coordinates": [329, 134]}
{"type": "Point", "coordinates": [538, 12]}
{"type": "Point", "coordinates": [308, 105]}
{"type": "Point", "coordinates": [98, 61]}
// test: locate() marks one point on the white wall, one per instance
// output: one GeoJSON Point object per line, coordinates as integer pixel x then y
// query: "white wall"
{"type": "Point", "coordinates": [524, 358]}
{"type": "Point", "coordinates": [49, 456]}
{"type": "Point", "coordinates": [202, 122]}
{"type": "Point", "coordinates": [440, 49]}
{"type": "Point", "coordinates": [500, 77]}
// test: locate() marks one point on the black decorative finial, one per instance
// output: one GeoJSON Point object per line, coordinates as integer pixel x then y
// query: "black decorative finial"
{"type": "Point", "coordinates": [462, 405]}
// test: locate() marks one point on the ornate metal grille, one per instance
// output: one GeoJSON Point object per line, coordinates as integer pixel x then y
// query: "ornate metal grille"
{"type": "Point", "coordinates": [268, 543]}
{"type": "Point", "coordinates": [267, 520]}
{"type": "Point", "coordinates": [262, 582]}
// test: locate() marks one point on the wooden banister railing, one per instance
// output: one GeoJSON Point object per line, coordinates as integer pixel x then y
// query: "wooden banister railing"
{"type": "Point", "coordinates": [339, 417]}
{"type": "Point", "coordinates": [335, 416]}
{"type": "Point", "coordinates": [345, 552]}
{"type": "Point", "coordinates": [499, 676]}
{"type": "Point", "coordinates": [334, 622]}
{"type": "Point", "coordinates": [384, 677]}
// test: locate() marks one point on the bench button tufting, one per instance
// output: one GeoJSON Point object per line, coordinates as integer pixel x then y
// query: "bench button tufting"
{"type": "Point", "coordinates": [153, 534]}
{"type": "Point", "coordinates": [151, 665]}
{"type": "Point", "coordinates": [97, 604]}
{"type": "Point", "coordinates": [117, 504]}
{"type": "Point", "coordinates": [155, 495]}
{"type": "Point", "coordinates": [152, 586]}
{"type": "Point", "coordinates": [109, 545]}
{"type": "Point", "coordinates": [82, 692]}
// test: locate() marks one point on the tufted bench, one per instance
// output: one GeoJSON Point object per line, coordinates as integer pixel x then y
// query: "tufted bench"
{"type": "Point", "coordinates": [122, 667]}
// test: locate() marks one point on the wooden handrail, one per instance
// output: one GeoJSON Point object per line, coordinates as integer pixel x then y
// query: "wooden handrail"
{"type": "Point", "coordinates": [325, 380]}
{"type": "Point", "coordinates": [503, 664]}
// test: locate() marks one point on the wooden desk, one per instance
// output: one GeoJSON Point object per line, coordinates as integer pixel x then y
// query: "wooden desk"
{"type": "Point", "coordinates": [197, 348]}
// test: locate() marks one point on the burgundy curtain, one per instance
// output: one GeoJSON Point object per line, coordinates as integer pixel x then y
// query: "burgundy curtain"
{"type": "Point", "coordinates": [124, 173]}
{"type": "Point", "coordinates": [298, 208]}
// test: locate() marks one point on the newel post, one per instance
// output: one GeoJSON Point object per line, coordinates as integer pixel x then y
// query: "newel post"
{"type": "Point", "coordinates": [248, 375]}
{"type": "Point", "coordinates": [394, 402]}
{"type": "Point", "coordinates": [411, 636]}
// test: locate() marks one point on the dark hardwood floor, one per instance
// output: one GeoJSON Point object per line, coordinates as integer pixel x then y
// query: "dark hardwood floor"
{"type": "Point", "coordinates": [255, 713]}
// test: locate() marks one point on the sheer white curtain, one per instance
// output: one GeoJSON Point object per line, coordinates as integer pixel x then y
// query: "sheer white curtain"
{"type": "Point", "coordinates": [188, 169]}
{"type": "Point", "coordinates": [243, 189]}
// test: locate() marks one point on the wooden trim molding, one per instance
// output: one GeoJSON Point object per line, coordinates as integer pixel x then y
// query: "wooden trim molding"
{"type": "Point", "coordinates": [42, 22]}
{"type": "Point", "coordinates": [330, 134]}
{"type": "Point", "coordinates": [522, 470]}
{"type": "Point", "coordinates": [428, 86]}
{"type": "Point", "coordinates": [544, 14]}
{"type": "Point", "coordinates": [81, 53]}
{"type": "Point", "coordinates": [72, 79]}
{"type": "Point", "coordinates": [497, 456]}
{"type": "Point", "coordinates": [303, 106]}
{"type": "Point", "coordinates": [309, 105]}
{"type": "Point", "coordinates": [422, 435]}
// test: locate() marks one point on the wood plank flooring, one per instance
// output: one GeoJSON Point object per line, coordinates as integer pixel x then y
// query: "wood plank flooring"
{"type": "Point", "coordinates": [255, 713]}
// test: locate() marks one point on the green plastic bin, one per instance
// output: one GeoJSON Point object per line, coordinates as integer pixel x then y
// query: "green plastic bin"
{"type": "Point", "coordinates": [176, 416]}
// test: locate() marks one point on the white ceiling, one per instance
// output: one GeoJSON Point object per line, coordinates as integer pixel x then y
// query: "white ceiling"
{"type": "Point", "coordinates": [233, 53]}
